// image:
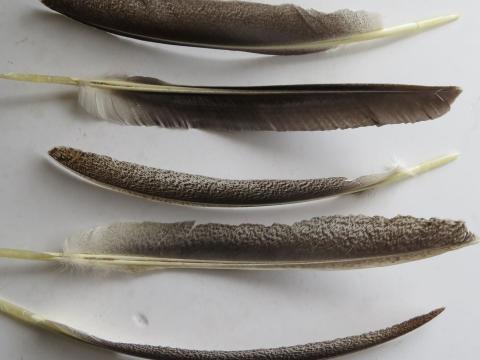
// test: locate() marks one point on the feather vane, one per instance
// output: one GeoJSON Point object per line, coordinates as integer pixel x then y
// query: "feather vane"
{"type": "Point", "coordinates": [152, 102]}
{"type": "Point", "coordinates": [333, 242]}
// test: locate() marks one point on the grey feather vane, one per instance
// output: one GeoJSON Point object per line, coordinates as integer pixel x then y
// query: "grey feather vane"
{"type": "Point", "coordinates": [151, 102]}
{"type": "Point", "coordinates": [312, 351]}
{"type": "Point", "coordinates": [234, 25]}
{"type": "Point", "coordinates": [333, 242]}
{"type": "Point", "coordinates": [171, 186]}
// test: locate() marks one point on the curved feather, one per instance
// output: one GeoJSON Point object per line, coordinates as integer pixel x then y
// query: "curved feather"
{"type": "Point", "coordinates": [171, 186]}
{"type": "Point", "coordinates": [316, 351]}
{"type": "Point", "coordinates": [152, 102]}
{"type": "Point", "coordinates": [234, 25]}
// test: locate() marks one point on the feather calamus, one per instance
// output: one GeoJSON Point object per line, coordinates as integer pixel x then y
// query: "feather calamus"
{"type": "Point", "coordinates": [236, 25]}
{"type": "Point", "coordinates": [146, 101]}
{"type": "Point", "coordinates": [319, 350]}
{"type": "Point", "coordinates": [330, 242]}
{"type": "Point", "coordinates": [171, 186]}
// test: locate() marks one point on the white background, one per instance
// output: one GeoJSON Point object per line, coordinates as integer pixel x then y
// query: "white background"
{"type": "Point", "coordinates": [40, 205]}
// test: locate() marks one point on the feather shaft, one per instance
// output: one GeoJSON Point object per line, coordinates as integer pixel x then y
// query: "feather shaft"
{"type": "Point", "coordinates": [164, 185]}
{"type": "Point", "coordinates": [400, 173]}
{"type": "Point", "coordinates": [143, 263]}
{"type": "Point", "coordinates": [28, 255]}
{"type": "Point", "coordinates": [390, 32]}
{"type": "Point", "coordinates": [319, 350]}
{"type": "Point", "coordinates": [42, 79]}
{"type": "Point", "coordinates": [162, 87]}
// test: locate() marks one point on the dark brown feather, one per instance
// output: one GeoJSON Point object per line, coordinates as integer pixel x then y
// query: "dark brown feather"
{"type": "Point", "coordinates": [217, 24]}
{"type": "Point", "coordinates": [272, 108]}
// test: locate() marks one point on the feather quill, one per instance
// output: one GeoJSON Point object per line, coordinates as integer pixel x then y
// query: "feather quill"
{"type": "Point", "coordinates": [319, 350]}
{"type": "Point", "coordinates": [333, 242]}
{"type": "Point", "coordinates": [171, 186]}
{"type": "Point", "coordinates": [151, 102]}
{"type": "Point", "coordinates": [235, 25]}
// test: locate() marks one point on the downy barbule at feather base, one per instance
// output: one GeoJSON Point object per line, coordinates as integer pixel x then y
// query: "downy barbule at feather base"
{"type": "Point", "coordinates": [236, 25]}
{"type": "Point", "coordinates": [312, 351]}
{"type": "Point", "coordinates": [146, 101]}
{"type": "Point", "coordinates": [187, 189]}
{"type": "Point", "coordinates": [329, 242]}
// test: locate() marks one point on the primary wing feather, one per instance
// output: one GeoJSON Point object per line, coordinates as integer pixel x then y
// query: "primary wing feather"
{"type": "Point", "coordinates": [332, 238]}
{"type": "Point", "coordinates": [273, 108]}
{"type": "Point", "coordinates": [233, 25]}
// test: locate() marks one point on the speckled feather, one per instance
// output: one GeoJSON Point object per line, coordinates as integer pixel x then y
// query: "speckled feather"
{"type": "Point", "coordinates": [217, 24]}
{"type": "Point", "coordinates": [271, 108]}
{"type": "Point", "coordinates": [173, 186]}
{"type": "Point", "coordinates": [312, 351]}
{"type": "Point", "coordinates": [318, 239]}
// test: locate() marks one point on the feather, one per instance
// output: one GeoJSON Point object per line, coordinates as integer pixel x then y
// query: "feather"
{"type": "Point", "coordinates": [170, 186]}
{"type": "Point", "coordinates": [151, 102]}
{"type": "Point", "coordinates": [319, 350]}
{"type": "Point", "coordinates": [235, 25]}
{"type": "Point", "coordinates": [333, 242]}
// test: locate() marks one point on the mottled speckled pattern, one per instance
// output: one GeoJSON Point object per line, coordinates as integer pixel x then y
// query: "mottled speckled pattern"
{"type": "Point", "coordinates": [324, 238]}
{"type": "Point", "coordinates": [213, 23]}
{"type": "Point", "coordinates": [298, 108]}
{"type": "Point", "coordinates": [173, 186]}
{"type": "Point", "coordinates": [313, 351]}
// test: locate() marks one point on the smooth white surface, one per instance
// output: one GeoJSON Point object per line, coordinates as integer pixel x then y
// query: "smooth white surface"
{"type": "Point", "coordinates": [40, 205]}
